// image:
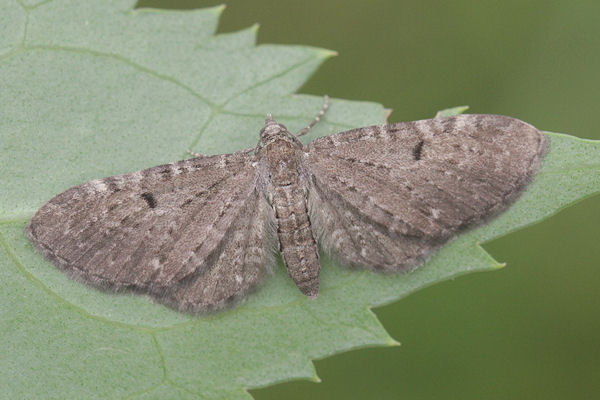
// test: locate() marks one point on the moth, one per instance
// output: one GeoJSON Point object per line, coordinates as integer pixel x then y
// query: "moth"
{"type": "Point", "coordinates": [199, 234]}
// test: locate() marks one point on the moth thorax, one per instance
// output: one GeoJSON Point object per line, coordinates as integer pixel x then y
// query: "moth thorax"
{"type": "Point", "coordinates": [282, 160]}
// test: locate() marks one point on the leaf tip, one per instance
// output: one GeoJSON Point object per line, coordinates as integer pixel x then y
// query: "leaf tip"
{"type": "Point", "coordinates": [448, 112]}
{"type": "Point", "coordinates": [218, 9]}
{"type": "Point", "coordinates": [325, 53]}
{"type": "Point", "coordinates": [498, 265]}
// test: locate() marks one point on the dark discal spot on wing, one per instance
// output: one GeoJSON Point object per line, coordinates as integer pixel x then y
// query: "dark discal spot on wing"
{"type": "Point", "coordinates": [417, 150]}
{"type": "Point", "coordinates": [149, 199]}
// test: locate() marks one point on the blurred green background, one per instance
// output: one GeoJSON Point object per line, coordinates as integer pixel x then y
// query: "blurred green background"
{"type": "Point", "coordinates": [532, 329]}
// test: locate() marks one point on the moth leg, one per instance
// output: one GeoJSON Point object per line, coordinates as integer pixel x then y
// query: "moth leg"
{"type": "Point", "coordinates": [195, 154]}
{"type": "Point", "coordinates": [324, 108]}
{"type": "Point", "coordinates": [246, 151]}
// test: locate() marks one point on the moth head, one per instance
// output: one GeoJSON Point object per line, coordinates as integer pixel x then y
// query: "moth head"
{"type": "Point", "coordinates": [271, 128]}
{"type": "Point", "coordinates": [272, 132]}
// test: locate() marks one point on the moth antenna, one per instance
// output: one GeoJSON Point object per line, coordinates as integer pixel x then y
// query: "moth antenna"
{"type": "Point", "coordinates": [317, 118]}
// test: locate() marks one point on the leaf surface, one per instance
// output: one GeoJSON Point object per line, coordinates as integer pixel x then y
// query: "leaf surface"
{"type": "Point", "coordinates": [93, 89]}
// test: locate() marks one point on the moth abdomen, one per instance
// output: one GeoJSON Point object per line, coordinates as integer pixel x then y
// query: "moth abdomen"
{"type": "Point", "coordinates": [296, 240]}
{"type": "Point", "coordinates": [287, 190]}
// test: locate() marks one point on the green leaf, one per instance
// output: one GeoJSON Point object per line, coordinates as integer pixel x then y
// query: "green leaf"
{"type": "Point", "coordinates": [448, 112]}
{"type": "Point", "coordinates": [93, 89]}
